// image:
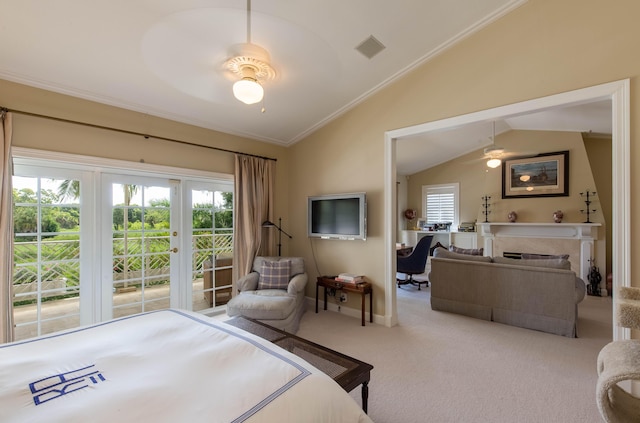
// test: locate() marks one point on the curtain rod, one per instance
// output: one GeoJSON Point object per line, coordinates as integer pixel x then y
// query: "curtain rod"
{"type": "Point", "coordinates": [125, 131]}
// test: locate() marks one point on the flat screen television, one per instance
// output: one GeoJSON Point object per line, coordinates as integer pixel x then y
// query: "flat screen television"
{"type": "Point", "coordinates": [338, 216]}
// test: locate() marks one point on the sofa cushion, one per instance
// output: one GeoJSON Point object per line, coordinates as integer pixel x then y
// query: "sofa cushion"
{"type": "Point", "coordinates": [443, 253]}
{"type": "Point", "coordinates": [265, 304]}
{"type": "Point", "coordinates": [544, 256]}
{"type": "Point", "coordinates": [550, 263]}
{"type": "Point", "coordinates": [469, 251]}
{"type": "Point", "coordinates": [274, 274]}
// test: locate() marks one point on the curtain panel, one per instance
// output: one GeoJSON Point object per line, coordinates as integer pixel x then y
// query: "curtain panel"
{"type": "Point", "coordinates": [253, 204]}
{"type": "Point", "coordinates": [6, 230]}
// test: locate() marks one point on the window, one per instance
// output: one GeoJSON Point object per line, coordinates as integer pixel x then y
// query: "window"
{"type": "Point", "coordinates": [440, 203]}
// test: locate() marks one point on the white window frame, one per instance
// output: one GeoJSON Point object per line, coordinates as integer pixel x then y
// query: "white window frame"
{"type": "Point", "coordinates": [453, 188]}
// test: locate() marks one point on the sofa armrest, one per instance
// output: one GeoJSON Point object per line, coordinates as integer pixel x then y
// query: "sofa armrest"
{"type": "Point", "coordinates": [581, 290]}
{"type": "Point", "coordinates": [248, 282]}
{"type": "Point", "coordinates": [297, 284]}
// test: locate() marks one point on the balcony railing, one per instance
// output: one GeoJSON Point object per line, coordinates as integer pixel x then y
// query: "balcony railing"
{"type": "Point", "coordinates": [53, 266]}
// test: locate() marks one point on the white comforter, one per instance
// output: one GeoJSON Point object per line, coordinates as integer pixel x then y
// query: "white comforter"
{"type": "Point", "coordinates": [165, 366]}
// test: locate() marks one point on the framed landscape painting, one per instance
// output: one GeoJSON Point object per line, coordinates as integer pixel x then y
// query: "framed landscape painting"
{"type": "Point", "coordinates": [544, 175]}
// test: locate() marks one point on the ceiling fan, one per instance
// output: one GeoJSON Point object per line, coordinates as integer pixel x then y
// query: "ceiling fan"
{"type": "Point", "coordinates": [494, 153]}
{"type": "Point", "coordinates": [250, 63]}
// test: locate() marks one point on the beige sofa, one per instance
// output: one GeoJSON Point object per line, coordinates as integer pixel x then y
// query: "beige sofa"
{"type": "Point", "coordinates": [534, 294]}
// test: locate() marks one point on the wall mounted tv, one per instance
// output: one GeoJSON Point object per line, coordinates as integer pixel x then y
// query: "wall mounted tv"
{"type": "Point", "coordinates": [338, 216]}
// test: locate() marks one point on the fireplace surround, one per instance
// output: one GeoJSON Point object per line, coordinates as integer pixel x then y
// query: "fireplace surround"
{"type": "Point", "coordinates": [576, 239]}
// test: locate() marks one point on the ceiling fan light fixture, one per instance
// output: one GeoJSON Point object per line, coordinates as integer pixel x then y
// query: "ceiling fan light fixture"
{"type": "Point", "coordinates": [248, 89]}
{"type": "Point", "coordinates": [494, 151]}
{"type": "Point", "coordinates": [251, 63]}
{"type": "Point", "coordinates": [493, 163]}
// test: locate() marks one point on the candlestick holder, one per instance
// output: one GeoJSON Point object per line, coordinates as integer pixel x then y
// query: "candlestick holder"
{"type": "Point", "coordinates": [486, 206]}
{"type": "Point", "coordinates": [587, 210]}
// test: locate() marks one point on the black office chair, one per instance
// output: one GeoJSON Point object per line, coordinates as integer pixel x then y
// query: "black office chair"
{"type": "Point", "coordinates": [415, 262]}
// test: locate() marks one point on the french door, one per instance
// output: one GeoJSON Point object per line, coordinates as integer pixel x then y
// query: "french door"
{"type": "Point", "coordinates": [92, 245]}
{"type": "Point", "coordinates": [211, 243]}
{"type": "Point", "coordinates": [141, 242]}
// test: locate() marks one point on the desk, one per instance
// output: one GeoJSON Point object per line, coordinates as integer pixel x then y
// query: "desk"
{"type": "Point", "coordinates": [404, 251]}
{"type": "Point", "coordinates": [346, 371]}
{"type": "Point", "coordinates": [362, 288]}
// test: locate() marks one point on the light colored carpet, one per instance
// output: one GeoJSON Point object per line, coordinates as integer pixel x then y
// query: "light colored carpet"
{"type": "Point", "coordinates": [441, 367]}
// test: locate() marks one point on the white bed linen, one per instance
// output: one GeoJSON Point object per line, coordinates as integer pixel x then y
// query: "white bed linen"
{"type": "Point", "coordinates": [164, 366]}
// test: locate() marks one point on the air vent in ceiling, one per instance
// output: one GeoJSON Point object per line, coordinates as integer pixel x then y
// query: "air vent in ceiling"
{"type": "Point", "coordinates": [370, 47]}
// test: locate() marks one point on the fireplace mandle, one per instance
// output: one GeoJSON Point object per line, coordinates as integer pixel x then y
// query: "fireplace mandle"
{"type": "Point", "coordinates": [577, 240]}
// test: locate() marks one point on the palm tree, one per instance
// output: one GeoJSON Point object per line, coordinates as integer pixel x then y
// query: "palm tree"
{"type": "Point", "coordinates": [129, 192]}
{"type": "Point", "coordinates": [69, 189]}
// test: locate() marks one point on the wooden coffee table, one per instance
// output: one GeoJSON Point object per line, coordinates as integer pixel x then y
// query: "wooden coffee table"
{"type": "Point", "coordinates": [347, 371]}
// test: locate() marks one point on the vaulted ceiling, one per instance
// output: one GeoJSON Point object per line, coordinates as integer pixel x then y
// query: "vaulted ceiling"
{"type": "Point", "coordinates": [167, 58]}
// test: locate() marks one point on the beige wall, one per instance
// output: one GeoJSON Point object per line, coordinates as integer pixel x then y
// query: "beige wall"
{"type": "Point", "coordinates": [44, 134]}
{"type": "Point", "coordinates": [599, 153]}
{"type": "Point", "coordinates": [542, 48]}
{"type": "Point", "coordinates": [477, 180]}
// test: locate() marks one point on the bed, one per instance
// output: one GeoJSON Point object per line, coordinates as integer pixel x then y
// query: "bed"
{"type": "Point", "coordinates": [164, 366]}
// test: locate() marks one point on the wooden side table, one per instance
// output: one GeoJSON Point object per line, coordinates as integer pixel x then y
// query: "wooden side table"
{"type": "Point", "coordinates": [362, 288]}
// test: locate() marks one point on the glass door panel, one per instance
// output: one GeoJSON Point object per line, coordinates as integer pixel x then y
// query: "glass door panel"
{"type": "Point", "coordinates": [212, 246]}
{"type": "Point", "coordinates": [141, 247]}
{"type": "Point", "coordinates": [46, 277]}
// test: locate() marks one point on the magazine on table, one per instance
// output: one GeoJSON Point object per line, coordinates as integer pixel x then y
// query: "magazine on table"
{"type": "Point", "coordinates": [350, 278]}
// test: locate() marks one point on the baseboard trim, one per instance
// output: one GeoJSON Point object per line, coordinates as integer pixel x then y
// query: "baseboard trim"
{"type": "Point", "coordinates": [356, 313]}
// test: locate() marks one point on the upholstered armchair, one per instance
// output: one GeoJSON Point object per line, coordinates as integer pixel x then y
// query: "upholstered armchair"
{"type": "Point", "coordinates": [272, 293]}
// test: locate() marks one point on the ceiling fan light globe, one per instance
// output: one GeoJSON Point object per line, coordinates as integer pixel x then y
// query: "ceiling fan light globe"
{"type": "Point", "coordinates": [493, 163]}
{"type": "Point", "coordinates": [248, 91]}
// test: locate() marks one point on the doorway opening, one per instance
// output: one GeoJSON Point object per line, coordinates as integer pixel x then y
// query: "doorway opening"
{"type": "Point", "coordinates": [616, 92]}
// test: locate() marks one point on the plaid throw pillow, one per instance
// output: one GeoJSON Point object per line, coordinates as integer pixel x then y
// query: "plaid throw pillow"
{"type": "Point", "coordinates": [274, 274]}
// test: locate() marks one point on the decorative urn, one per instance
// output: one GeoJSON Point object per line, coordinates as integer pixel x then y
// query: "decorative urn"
{"type": "Point", "coordinates": [557, 216]}
{"type": "Point", "coordinates": [410, 214]}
